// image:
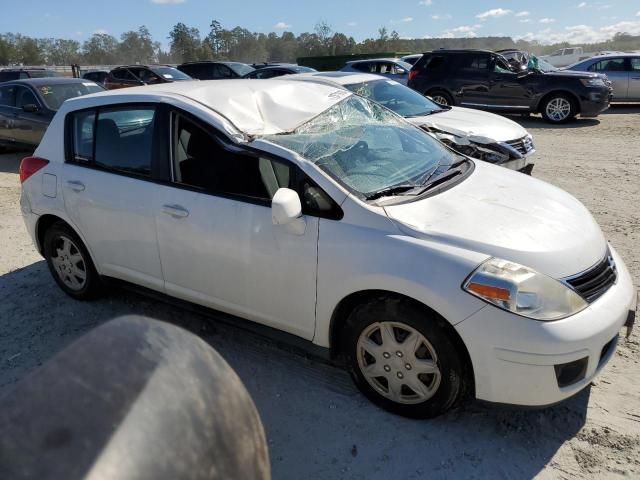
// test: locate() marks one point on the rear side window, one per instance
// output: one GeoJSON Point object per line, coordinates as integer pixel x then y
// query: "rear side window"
{"type": "Point", "coordinates": [363, 67]}
{"type": "Point", "coordinates": [115, 139]}
{"type": "Point", "coordinates": [473, 62]}
{"type": "Point", "coordinates": [436, 62]}
{"type": "Point", "coordinates": [122, 74]}
{"type": "Point", "coordinates": [635, 64]}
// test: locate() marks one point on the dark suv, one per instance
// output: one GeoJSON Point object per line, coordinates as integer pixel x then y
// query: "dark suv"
{"type": "Point", "coordinates": [208, 70]}
{"type": "Point", "coordinates": [486, 80]}
{"type": "Point", "coordinates": [9, 74]}
{"type": "Point", "coordinates": [137, 75]}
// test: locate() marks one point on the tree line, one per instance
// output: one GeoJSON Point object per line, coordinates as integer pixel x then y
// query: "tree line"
{"type": "Point", "coordinates": [187, 44]}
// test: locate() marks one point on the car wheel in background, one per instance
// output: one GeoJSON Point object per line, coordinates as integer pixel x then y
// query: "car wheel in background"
{"type": "Point", "coordinates": [402, 360]}
{"type": "Point", "coordinates": [441, 97]}
{"type": "Point", "coordinates": [69, 263]}
{"type": "Point", "coordinates": [558, 108]}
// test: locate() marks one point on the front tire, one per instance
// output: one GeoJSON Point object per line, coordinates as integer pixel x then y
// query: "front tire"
{"type": "Point", "coordinates": [559, 108]}
{"type": "Point", "coordinates": [402, 359]}
{"type": "Point", "coordinates": [70, 263]}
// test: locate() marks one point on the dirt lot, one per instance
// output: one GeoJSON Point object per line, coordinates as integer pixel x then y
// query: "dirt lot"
{"type": "Point", "coordinates": [317, 424]}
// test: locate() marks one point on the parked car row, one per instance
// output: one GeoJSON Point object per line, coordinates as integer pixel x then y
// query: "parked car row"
{"type": "Point", "coordinates": [303, 206]}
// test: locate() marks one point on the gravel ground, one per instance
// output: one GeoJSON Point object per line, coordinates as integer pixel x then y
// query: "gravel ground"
{"type": "Point", "coordinates": [317, 424]}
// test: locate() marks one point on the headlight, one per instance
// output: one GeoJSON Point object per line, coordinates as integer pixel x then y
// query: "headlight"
{"type": "Point", "coordinates": [593, 82]}
{"type": "Point", "coordinates": [523, 291]}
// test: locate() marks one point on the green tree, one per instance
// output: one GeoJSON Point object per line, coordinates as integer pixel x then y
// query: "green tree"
{"type": "Point", "coordinates": [185, 43]}
{"type": "Point", "coordinates": [100, 49]}
{"type": "Point", "coordinates": [136, 47]}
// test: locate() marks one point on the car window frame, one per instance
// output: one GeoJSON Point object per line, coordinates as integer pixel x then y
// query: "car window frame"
{"type": "Point", "coordinates": [10, 85]}
{"type": "Point", "coordinates": [297, 176]}
{"type": "Point", "coordinates": [35, 94]}
{"type": "Point", "coordinates": [156, 138]}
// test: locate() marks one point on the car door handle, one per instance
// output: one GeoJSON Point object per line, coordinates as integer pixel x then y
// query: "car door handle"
{"type": "Point", "coordinates": [75, 185]}
{"type": "Point", "coordinates": [175, 211]}
{"type": "Point", "coordinates": [635, 78]}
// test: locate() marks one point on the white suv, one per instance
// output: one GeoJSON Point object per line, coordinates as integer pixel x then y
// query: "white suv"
{"type": "Point", "coordinates": [315, 211]}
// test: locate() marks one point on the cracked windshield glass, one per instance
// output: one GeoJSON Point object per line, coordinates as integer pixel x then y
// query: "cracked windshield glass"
{"type": "Point", "coordinates": [366, 147]}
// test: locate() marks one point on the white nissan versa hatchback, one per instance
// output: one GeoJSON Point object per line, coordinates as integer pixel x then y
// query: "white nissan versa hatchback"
{"type": "Point", "coordinates": [312, 210]}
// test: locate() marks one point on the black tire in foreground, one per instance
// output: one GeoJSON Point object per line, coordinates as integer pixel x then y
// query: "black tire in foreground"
{"type": "Point", "coordinates": [403, 359]}
{"type": "Point", "coordinates": [70, 263]}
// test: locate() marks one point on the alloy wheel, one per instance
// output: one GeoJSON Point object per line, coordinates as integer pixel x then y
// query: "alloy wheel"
{"type": "Point", "coordinates": [558, 109]}
{"type": "Point", "coordinates": [69, 263]}
{"type": "Point", "coordinates": [440, 100]}
{"type": "Point", "coordinates": [398, 362]}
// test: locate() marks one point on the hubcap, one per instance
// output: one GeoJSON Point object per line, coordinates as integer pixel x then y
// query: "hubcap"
{"type": "Point", "coordinates": [558, 109]}
{"type": "Point", "coordinates": [69, 263]}
{"type": "Point", "coordinates": [440, 100]}
{"type": "Point", "coordinates": [398, 362]}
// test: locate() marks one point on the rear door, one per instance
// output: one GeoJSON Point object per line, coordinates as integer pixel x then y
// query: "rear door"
{"type": "Point", "coordinates": [634, 78]}
{"type": "Point", "coordinates": [471, 79]}
{"type": "Point", "coordinates": [218, 244]}
{"type": "Point", "coordinates": [109, 189]}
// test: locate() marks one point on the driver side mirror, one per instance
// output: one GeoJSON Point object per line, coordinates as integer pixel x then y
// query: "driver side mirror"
{"type": "Point", "coordinates": [30, 108]}
{"type": "Point", "coordinates": [286, 210]}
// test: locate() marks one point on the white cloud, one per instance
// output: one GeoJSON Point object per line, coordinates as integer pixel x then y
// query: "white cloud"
{"type": "Point", "coordinates": [461, 31]}
{"type": "Point", "coordinates": [407, 19]}
{"type": "Point", "coordinates": [426, 3]}
{"type": "Point", "coordinates": [582, 4]}
{"type": "Point", "coordinates": [441, 16]}
{"type": "Point", "coordinates": [547, 20]}
{"type": "Point", "coordinates": [352, 24]}
{"type": "Point", "coordinates": [494, 13]}
{"type": "Point", "coordinates": [524, 13]}
{"type": "Point", "coordinates": [525, 20]}
{"type": "Point", "coordinates": [168, 2]}
{"type": "Point", "coordinates": [577, 34]}
{"type": "Point", "coordinates": [101, 31]}
{"type": "Point", "coordinates": [282, 25]}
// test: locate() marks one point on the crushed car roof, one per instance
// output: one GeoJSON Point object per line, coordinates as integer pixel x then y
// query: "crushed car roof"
{"type": "Point", "coordinates": [254, 107]}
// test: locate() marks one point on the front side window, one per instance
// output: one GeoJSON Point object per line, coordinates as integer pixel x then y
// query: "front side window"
{"type": "Point", "coordinates": [366, 147]}
{"type": "Point", "coordinates": [24, 96]}
{"type": "Point", "coordinates": [635, 64]}
{"type": "Point", "coordinates": [123, 74]}
{"type": "Point", "coordinates": [202, 162]}
{"type": "Point", "coordinates": [170, 73]}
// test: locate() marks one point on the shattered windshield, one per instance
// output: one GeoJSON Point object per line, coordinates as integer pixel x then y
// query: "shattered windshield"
{"type": "Point", "coordinates": [366, 147]}
{"type": "Point", "coordinates": [540, 64]}
{"type": "Point", "coordinates": [399, 98]}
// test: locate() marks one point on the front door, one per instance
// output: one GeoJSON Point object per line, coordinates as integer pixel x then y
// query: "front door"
{"type": "Point", "coordinates": [218, 245]}
{"type": "Point", "coordinates": [7, 113]}
{"type": "Point", "coordinates": [30, 125]}
{"type": "Point", "coordinates": [506, 89]}
{"type": "Point", "coordinates": [617, 71]}
{"type": "Point", "coordinates": [634, 78]}
{"type": "Point", "coordinates": [109, 195]}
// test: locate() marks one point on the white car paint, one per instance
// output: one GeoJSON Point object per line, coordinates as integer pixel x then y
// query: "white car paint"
{"type": "Point", "coordinates": [229, 255]}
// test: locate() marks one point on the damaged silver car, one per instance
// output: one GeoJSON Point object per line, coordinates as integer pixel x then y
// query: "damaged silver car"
{"type": "Point", "coordinates": [482, 135]}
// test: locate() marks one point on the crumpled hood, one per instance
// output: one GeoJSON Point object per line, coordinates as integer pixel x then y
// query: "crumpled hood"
{"type": "Point", "coordinates": [508, 215]}
{"type": "Point", "coordinates": [478, 126]}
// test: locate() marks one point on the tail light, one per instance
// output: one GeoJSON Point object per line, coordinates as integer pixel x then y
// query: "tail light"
{"type": "Point", "coordinates": [30, 165]}
{"type": "Point", "coordinates": [412, 74]}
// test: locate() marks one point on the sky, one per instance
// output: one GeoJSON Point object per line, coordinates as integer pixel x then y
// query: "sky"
{"type": "Point", "coordinates": [547, 21]}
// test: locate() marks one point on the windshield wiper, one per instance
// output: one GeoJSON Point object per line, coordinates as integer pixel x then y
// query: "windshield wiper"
{"type": "Point", "coordinates": [424, 114]}
{"type": "Point", "coordinates": [392, 190]}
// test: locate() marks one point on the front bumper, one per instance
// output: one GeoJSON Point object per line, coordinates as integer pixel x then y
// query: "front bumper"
{"type": "Point", "coordinates": [595, 102]}
{"type": "Point", "coordinates": [521, 361]}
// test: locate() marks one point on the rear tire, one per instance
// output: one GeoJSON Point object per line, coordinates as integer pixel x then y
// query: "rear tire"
{"type": "Point", "coordinates": [441, 97]}
{"type": "Point", "coordinates": [70, 263]}
{"type": "Point", "coordinates": [558, 108]}
{"type": "Point", "coordinates": [402, 358]}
